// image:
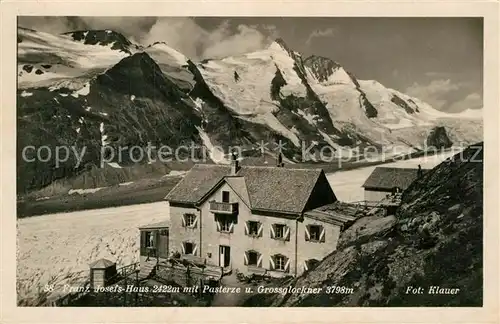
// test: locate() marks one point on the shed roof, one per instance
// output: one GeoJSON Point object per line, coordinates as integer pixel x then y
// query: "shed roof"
{"type": "Point", "coordinates": [163, 224]}
{"type": "Point", "coordinates": [389, 178]}
{"type": "Point", "coordinates": [337, 213]}
{"type": "Point", "coordinates": [268, 188]}
{"type": "Point", "coordinates": [102, 264]}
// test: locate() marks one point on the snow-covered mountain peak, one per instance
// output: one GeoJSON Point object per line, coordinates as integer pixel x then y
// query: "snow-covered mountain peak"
{"type": "Point", "coordinates": [166, 54]}
{"type": "Point", "coordinates": [272, 95]}
{"type": "Point", "coordinates": [321, 67]}
{"type": "Point", "coordinates": [103, 37]}
{"type": "Point", "coordinates": [45, 58]}
{"type": "Point", "coordinates": [279, 43]}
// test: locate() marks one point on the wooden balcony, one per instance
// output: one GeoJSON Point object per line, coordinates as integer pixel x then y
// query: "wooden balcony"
{"type": "Point", "coordinates": [223, 208]}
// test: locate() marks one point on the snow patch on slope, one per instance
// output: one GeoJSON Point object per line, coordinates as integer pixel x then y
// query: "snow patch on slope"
{"type": "Point", "coordinates": [198, 104]}
{"type": "Point", "coordinates": [312, 119]}
{"type": "Point", "coordinates": [114, 165]}
{"type": "Point", "coordinates": [68, 58]}
{"type": "Point", "coordinates": [271, 121]}
{"type": "Point", "coordinates": [104, 137]}
{"type": "Point", "coordinates": [84, 191]}
{"type": "Point", "coordinates": [85, 90]}
{"type": "Point", "coordinates": [216, 153]}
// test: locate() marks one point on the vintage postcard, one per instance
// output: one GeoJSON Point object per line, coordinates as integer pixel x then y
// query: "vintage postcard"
{"type": "Point", "coordinates": [250, 155]}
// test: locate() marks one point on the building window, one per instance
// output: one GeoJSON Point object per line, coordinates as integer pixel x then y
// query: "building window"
{"type": "Point", "coordinates": [164, 232]}
{"type": "Point", "coordinates": [188, 248]}
{"type": "Point", "coordinates": [279, 262]}
{"type": "Point", "coordinates": [189, 220]}
{"type": "Point", "coordinates": [225, 223]}
{"type": "Point", "coordinates": [280, 232]}
{"type": "Point", "coordinates": [225, 196]}
{"type": "Point", "coordinates": [253, 258]}
{"type": "Point", "coordinates": [253, 228]}
{"type": "Point", "coordinates": [314, 232]}
{"type": "Point", "coordinates": [310, 264]}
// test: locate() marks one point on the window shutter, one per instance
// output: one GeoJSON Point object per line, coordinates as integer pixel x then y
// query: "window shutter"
{"type": "Point", "coordinates": [218, 225]}
{"type": "Point", "coordinates": [287, 234]}
{"type": "Point", "coordinates": [287, 265]}
{"type": "Point", "coordinates": [259, 261]}
{"type": "Point", "coordinates": [271, 263]}
{"type": "Point", "coordinates": [195, 223]}
{"type": "Point", "coordinates": [308, 235]}
{"type": "Point", "coordinates": [272, 231]}
{"type": "Point", "coordinates": [246, 258]}
{"type": "Point", "coordinates": [195, 248]}
{"type": "Point", "coordinates": [184, 220]}
{"type": "Point", "coordinates": [246, 228]}
{"type": "Point", "coordinates": [183, 249]}
{"type": "Point", "coordinates": [231, 228]}
{"type": "Point", "coordinates": [143, 239]}
{"type": "Point", "coordinates": [261, 229]}
{"type": "Point", "coordinates": [322, 235]}
{"type": "Point", "coordinates": [156, 238]}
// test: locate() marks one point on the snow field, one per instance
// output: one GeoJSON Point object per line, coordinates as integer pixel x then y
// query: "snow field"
{"type": "Point", "coordinates": [58, 248]}
{"type": "Point", "coordinates": [68, 58]}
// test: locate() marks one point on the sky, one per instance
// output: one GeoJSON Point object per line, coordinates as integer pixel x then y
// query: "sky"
{"type": "Point", "coordinates": [438, 60]}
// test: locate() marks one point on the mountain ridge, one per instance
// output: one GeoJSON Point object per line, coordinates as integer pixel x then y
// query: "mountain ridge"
{"type": "Point", "coordinates": [271, 95]}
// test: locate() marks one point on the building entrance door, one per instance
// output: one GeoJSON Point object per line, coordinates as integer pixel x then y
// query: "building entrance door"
{"type": "Point", "coordinates": [224, 256]}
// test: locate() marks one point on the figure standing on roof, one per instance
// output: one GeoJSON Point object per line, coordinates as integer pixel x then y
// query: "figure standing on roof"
{"type": "Point", "coordinates": [236, 77]}
{"type": "Point", "coordinates": [419, 174]}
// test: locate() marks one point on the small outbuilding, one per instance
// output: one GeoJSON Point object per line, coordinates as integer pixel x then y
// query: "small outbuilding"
{"type": "Point", "coordinates": [154, 242]}
{"type": "Point", "coordinates": [384, 181]}
{"type": "Point", "coordinates": [101, 272]}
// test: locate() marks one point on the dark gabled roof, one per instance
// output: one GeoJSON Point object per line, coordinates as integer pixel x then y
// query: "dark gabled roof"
{"type": "Point", "coordinates": [389, 178]}
{"type": "Point", "coordinates": [267, 188]}
{"type": "Point", "coordinates": [279, 189]}
{"type": "Point", "coordinates": [197, 182]}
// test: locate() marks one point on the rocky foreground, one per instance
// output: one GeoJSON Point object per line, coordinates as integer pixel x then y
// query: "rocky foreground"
{"type": "Point", "coordinates": [428, 254]}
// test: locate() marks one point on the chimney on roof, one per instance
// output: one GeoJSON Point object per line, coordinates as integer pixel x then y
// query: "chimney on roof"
{"type": "Point", "coordinates": [279, 161]}
{"type": "Point", "coordinates": [235, 166]}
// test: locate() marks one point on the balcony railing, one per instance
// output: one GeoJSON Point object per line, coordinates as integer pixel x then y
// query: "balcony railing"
{"type": "Point", "coordinates": [223, 208]}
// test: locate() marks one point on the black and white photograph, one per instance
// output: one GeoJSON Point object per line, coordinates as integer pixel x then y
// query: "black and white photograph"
{"type": "Point", "coordinates": [249, 161]}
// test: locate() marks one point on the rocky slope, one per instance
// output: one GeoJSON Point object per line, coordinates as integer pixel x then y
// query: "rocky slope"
{"type": "Point", "coordinates": [96, 88]}
{"type": "Point", "coordinates": [435, 239]}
